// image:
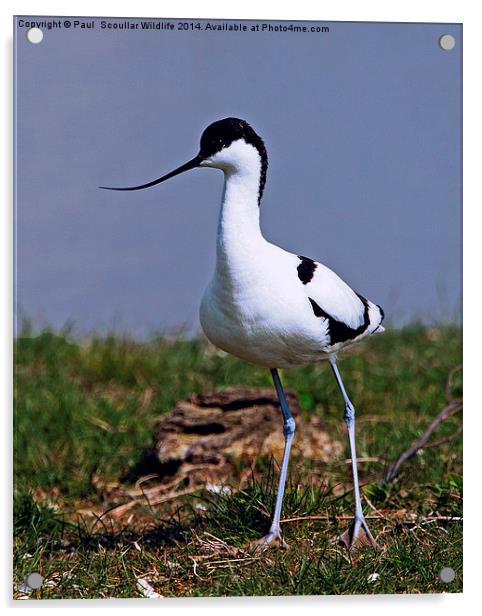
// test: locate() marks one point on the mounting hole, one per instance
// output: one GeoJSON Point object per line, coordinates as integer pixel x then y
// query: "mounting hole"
{"type": "Point", "coordinates": [34, 581]}
{"type": "Point", "coordinates": [447, 575]}
{"type": "Point", "coordinates": [446, 42]}
{"type": "Point", "coordinates": [35, 35]}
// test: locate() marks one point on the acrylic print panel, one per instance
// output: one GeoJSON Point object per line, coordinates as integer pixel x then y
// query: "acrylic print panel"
{"type": "Point", "coordinates": [155, 451]}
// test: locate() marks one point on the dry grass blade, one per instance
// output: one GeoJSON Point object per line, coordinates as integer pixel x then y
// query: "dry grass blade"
{"type": "Point", "coordinates": [212, 546]}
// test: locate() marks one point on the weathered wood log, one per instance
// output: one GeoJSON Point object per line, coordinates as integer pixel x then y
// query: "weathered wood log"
{"type": "Point", "coordinates": [206, 436]}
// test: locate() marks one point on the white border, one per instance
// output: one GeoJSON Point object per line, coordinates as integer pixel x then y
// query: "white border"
{"type": "Point", "coordinates": [330, 10]}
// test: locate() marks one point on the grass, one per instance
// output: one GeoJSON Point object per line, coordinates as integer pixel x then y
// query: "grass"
{"type": "Point", "coordinates": [85, 412]}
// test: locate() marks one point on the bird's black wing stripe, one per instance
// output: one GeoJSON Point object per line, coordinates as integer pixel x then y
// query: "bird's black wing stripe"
{"type": "Point", "coordinates": [337, 330]}
{"type": "Point", "coordinates": [306, 269]}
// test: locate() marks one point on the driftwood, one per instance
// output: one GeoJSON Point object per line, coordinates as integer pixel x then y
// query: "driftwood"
{"type": "Point", "coordinates": [454, 406]}
{"type": "Point", "coordinates": [207, 436]}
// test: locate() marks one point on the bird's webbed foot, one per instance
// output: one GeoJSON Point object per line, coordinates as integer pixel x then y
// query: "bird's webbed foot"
{"type": "Point", "coordinates": [271, 540]}
{"type": "Point", "coordinates": [357, 535]}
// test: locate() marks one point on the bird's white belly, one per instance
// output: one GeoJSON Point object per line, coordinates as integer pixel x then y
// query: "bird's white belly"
{"type": "Point", "coordinates": [264, 324]}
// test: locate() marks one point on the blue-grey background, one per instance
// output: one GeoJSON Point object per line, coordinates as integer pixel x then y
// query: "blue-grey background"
{"type": "Point", "coordinates": [362, 126]}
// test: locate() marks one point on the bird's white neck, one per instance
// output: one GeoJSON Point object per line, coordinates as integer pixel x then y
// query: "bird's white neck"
{"type": "Point", "coordinates": [239, 234]}
{"type": "Point", "coordinates": [239, 215]}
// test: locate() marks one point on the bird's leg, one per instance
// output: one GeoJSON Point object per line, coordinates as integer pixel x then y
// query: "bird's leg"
{"type": "Point", "coordinates": [274, 535]}
{"type": "Point", "coordinates": [358, 530]}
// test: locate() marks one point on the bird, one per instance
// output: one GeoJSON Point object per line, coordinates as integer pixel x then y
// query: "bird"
{"type": "Point", "coordinates": [269, 306]}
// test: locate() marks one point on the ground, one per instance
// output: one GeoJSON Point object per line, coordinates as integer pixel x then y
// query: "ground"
{"type": "Point", "coordinates": [84, 416]}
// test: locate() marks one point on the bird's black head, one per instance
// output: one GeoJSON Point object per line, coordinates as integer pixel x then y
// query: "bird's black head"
{"type": "Point", "coordinates": [221, 134]}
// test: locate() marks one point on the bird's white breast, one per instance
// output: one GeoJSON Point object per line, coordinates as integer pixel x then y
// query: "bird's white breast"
{"type": "Point", "coordinates": [256, 310]}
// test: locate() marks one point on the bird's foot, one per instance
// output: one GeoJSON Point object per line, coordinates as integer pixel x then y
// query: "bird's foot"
{"type": "Point", "coordinates": [271, 540]}
{"type": "Point", "coordinates": [357, 534]}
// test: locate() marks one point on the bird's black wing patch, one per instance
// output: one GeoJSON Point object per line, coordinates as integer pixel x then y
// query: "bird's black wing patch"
{"type": "Point", "coordinates": [306, 269]}
{"type": "Point", "coordinates": [337, 330]}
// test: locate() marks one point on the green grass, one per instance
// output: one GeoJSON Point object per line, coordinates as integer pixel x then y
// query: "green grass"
{"type": "Point", "coordinates": [85, 412]}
